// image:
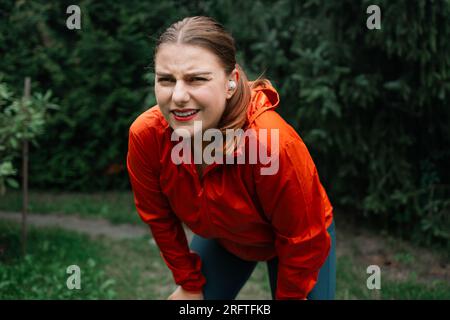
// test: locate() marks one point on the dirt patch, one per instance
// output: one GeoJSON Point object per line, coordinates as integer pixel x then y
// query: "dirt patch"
{"type": "Point", "coordinates": [92, 227]}
{"type": "Point", "coordinates": [398, 259]}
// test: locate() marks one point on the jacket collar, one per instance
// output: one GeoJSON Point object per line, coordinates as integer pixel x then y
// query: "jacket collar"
{"type": "Point", "coordinates": [264, 97]}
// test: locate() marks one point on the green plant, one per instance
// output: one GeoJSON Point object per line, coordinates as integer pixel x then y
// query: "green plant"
{"type": "Point", "coordinates": [20, 120]}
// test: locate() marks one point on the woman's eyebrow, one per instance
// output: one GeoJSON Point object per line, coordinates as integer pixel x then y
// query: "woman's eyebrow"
{"type": "Point", "coordinates": [162, 74]}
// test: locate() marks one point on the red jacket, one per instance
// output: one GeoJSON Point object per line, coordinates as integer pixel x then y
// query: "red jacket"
{"type": "Point", "coordinates": [254, 216]}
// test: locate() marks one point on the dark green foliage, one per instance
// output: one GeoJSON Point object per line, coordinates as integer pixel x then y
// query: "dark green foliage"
{"type": "Point", "coordinates": [370, 104]}
{"type": "Point", "coordinates": [373, 107]}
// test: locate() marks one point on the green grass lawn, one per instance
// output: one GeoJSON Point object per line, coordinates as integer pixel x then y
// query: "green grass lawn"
{"type": "Point", "coordinates": [351, 284]}
{"type": "Point", "coordinates": [117, 207]}
{"type": "Point", "coordinates": [133, 269]}
{"type": "Point", "coordinates": [126, 269]}
{"type": "Point", "coordinates": [42, 272]}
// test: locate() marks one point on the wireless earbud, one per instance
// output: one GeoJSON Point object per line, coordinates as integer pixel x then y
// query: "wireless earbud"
{"type": "Point", "coordinates": [231, 84]}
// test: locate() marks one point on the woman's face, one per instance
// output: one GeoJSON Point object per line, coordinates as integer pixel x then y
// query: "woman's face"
{"type": "Point", "coordinates": [190, 85]}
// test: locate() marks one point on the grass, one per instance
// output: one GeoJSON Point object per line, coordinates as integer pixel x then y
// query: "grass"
{"type": "Point", "coordinates": [133, 269]}
{"type": "Point", "coordinates": [117, 207]}
{"type": "Point", "coordinates": [126, 269]}
{"type": "Point", "coordinates": [42, 272]}
{"type": "Point", "coordinates": [352, 277]}
{"type": "Point", "coordinates": [138, 269]}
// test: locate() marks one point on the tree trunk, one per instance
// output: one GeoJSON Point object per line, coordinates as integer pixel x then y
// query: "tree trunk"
{"type": "Point", "coordinates": [25, 172]}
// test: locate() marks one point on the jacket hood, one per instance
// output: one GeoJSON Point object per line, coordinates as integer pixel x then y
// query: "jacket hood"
{"type": "Point", "coordinates": [264, 97]}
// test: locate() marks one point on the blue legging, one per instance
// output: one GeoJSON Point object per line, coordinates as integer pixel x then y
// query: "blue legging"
{"type": "Point", "coordinates": [226, 274]}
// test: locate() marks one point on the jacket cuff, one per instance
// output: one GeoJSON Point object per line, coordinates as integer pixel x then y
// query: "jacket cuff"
{"type": "Point", "coordinates": [190, 279]}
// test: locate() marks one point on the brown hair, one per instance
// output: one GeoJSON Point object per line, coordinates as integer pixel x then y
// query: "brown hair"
{"type": "Point", "coordinates": [209, 34]}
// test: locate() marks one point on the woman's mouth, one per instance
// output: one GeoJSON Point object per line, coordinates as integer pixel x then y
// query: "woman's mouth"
{"type": "Point", "coordinates": [184, 115]}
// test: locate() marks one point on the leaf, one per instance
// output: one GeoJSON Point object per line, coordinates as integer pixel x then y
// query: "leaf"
{"type": "Point", "coordinates": [12, 183]}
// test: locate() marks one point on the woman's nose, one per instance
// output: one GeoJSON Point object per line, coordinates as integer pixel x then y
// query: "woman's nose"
{"type": "Point", "coordinates": [180, 93]}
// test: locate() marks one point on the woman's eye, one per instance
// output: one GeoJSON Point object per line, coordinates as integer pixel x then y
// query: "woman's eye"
{"type": "Point", "coordinates": [165, 80]}
{"type": "Point", "coordinates": [194, 79]}
{"type": "Point", "coordinates": [199, 79]}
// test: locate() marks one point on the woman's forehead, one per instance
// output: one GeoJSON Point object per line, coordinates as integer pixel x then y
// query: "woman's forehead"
{"type": "Point", "coordinates": [185, 58]}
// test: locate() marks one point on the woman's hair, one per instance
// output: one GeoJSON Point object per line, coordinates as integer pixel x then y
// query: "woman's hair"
{"type": "Point", "coordinates": [207, 33]}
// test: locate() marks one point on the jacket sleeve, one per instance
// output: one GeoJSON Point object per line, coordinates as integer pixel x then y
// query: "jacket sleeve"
{"type": "Point", "coordinates": [294, 201]}
{"type": "Point", "coordinates": [154, 209]}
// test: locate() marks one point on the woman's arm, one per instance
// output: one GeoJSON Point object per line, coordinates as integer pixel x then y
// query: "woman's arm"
{"type": "Point", "coordinates": [154, 209]}
{"type": "Point", "coordinates": [295, 202]}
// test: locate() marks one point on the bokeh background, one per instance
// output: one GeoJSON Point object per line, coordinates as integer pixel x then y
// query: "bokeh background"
{"type": "Point", "coordinates": [371, 105]}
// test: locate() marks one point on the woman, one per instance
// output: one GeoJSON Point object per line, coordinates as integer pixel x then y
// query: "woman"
{"type": "Point", "coordinates": [239, 215]}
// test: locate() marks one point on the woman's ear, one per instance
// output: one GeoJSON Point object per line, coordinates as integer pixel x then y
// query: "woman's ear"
{"type": "Point", "coordinates": [232, 83]}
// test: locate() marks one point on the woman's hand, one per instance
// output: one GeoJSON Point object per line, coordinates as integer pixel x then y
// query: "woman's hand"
{"type": "Point", "coordinates": [181, 294]}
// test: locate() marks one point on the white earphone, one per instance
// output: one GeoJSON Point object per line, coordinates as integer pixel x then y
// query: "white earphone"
{"type": "Point", "coordinates": [231, 84]}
